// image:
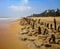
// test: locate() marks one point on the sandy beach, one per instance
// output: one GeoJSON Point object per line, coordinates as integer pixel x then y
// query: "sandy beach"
{"type": "Point", "coordinates": [9, 35]}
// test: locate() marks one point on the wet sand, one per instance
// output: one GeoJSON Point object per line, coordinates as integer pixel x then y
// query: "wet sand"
{"type": "Point", "coordinates": [9, 37]}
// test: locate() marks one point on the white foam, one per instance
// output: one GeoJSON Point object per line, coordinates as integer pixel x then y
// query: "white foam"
{"type": "Point", "coordinates": [6, 21]}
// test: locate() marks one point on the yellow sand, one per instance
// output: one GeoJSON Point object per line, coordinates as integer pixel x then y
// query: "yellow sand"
{"type": "Point", "coordinates": [9, 36]}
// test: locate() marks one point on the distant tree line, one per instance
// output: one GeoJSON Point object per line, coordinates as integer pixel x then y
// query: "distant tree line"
{"type": "Point", "coordinates": [47, 13]}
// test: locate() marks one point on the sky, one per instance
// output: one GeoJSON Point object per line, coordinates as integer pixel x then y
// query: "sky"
{"type": "Point", "coordinates": [22, 8]}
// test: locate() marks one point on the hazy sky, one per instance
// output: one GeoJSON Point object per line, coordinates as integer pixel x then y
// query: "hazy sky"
{"type": "Point", "coordinates": [20, 8]}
